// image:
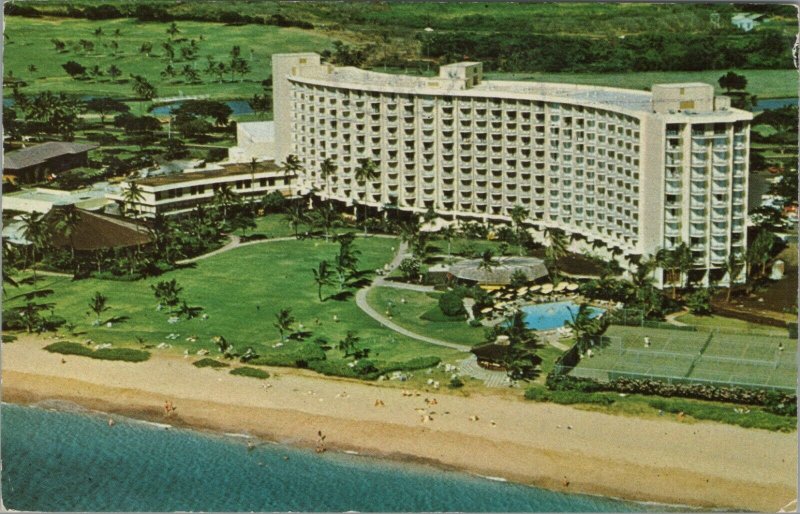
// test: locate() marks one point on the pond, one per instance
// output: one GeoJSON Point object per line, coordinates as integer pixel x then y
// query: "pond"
{"type": "Point", "coordinates": [237, 106]}
{"type": "Point", "coordinates": [549, 316]}
{"type": "Point", "coordinates": [775, 103]}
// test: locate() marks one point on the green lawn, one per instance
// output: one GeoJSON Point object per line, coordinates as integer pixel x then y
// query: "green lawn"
{"type": "Point", "coordinates": [408, 315]}
{"type": "Point", "coordinates": [762, 83]}
{"type": "Point", "coordinates": [240, 291]}
{"type": "Point", "coordinates": [730, 324]}
{"type": "Point", "coordinates": [29, 42]}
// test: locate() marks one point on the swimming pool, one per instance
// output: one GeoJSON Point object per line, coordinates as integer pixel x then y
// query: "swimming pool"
{"type": "Point", "coordinates": [549, 316]}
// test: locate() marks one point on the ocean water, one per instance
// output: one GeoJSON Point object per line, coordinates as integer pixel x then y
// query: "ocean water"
{"type": "Point", "coordinates": [55, 460]}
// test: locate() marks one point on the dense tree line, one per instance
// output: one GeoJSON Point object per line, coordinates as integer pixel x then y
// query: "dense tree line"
{"type": "Point", "coordinates": [645, 52]}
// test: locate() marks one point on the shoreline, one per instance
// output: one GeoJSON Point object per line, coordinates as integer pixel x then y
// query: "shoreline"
{"type": "Point", "coordinates": [549, 446]}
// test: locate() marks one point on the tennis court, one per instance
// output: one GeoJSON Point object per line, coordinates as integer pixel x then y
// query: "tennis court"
{"type": "Point", "coordinates": [693, 356]}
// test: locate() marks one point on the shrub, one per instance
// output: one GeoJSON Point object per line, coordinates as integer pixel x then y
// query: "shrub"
{"type": "Point", "coordinates": [567, 397]}
{"type": "Point", "coordinates": [208, 362]}
{"type": "Point", "coordinates": [216, 154]}
{"type": "Point", "coordinates": [456, 383]}
{"type": "Point", "coordinates": [723, 413]}
{"type": "Point", "coordinates": [111, 354]}
{"type": "Point", "coordinates": [247, 371]}
{"type": "Point", "coordinates": [436, 314]}
{"type": "Point", "coordinates": [299, 355]}
{"type": "Point", "coordinates": [451, 304]}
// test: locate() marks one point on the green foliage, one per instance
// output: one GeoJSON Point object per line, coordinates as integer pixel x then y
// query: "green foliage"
{"type": "Point", "coordinates": [208, 362]}
{"type": "Point", "coordinates": [518, 279]}
{"type": "Point", "coordinates": [291, 355]}
{"type": "Point", "coordinates": [540, 394]}
{"type": "Point", "coordinates": [247, 371]}
{"type": "Point", "coordinates": [455, 383]}
{"type": "Point", "coordinates": [732, 80]}
{"type": "Point", "coordinates": [410, 268]}
{"type": "Point", "coordinates": [451, 304]}
{"type": "Point", "coordinates": [436, 315]}
{"type": "Point", "coordinates": [699, 302]}
{"type": "Point", "coordinates": [754, 418]}
{"type": "Point", "coordinates": [111, 354]}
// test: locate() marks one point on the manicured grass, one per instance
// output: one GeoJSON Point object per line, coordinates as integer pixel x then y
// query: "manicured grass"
{"type": "Point", "coordinates": [208, 362]}
{"type": "Point", "coordinates": [247, 371]}
{"type": "Point", "coordinates": [273, 225]}
{"type": "Point", "coordinates": [241, 291]}
{"type": "Point", "coordinates": [29, 42]}
{"type": "Point", "coordinates": [409, 315]}
{"type": "Point", "coordinates": [762, 83]}
{"type": "Point", "coordinates": [109, 354]}
{"type": "Point", "coordinates": [730, 324]}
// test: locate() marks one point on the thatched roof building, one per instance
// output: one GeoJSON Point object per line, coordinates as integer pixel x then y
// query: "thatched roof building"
{"type": "Point", "coordinates": [99, 232]}
{"type": "Point", "coordinates": [500, 273]}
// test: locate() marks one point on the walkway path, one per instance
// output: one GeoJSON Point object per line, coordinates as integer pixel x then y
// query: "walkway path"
{"type": "Point", "coordinates": [469, 366]}
{"type": "Point", "coordinates": [361, 301]}
{"type": "Point", "coordinates": [672, 321]}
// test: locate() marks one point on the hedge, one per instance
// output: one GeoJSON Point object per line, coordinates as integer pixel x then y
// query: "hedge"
{"type": "Point", "coordinates": [775, 402]}
{"type": "Point", "coordinates": [566, 397]}
{"type": "Point", "coordinates": [247, 371]}
{"type": "Point", "coordinates": [110, 354]}
{"type": "Point", "coordinates": [208, 362]}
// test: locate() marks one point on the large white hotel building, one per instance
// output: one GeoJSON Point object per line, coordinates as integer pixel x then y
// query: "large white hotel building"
{"type": "Point", "coordinates": [634, 170]}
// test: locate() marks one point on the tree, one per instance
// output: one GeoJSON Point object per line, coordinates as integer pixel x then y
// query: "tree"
{"type": "Point", "coordinates": [326, 170]}
{"type": "Point", "coordinates": [65, 221]}
{"type": "Point", "coordinates": [75, 69]}
{"type": "Point", "coordinates": [225, 197]}
{"type": "Point", "coordinates": [284, 321]}
{"type": "Point", "coordinates": [451, 304]}
{"type": "Point", "coordinates": [169, 50]}
{"type": "Point", "coordinates": [587, 329]}
{"type": "Point", "coordinates": [104, 106]}
{"type": "Point", "coordinates": [520, 359]}
{"type": "Point", "coordinates": [348, 344]}
{"type": "Point", "coordinates": [448, 233]}
{"type": "Point", "coordinates": [175, 148]}
{"type": "Point", "coordinates": [410, 268]}
{"type": "Point", "coordinates": [367, 171]}
{"type": "Point", "coordinates": [146, 48]}
{"type": "Point", "coordinates": [173, 30]}
{"type": "Point", "coordinates": [188, 53]}
{"type": "Point", "coordinates": [732, 267]}
{"type": "Point", "coordinates": [30, 316]}
{"type": "Point", "coordinates": [98, 305]}
{"type": "Point", "coordinates": [699, 302]}
{"type": "Point", "coordinates": [114, 72]}
{"type": "Point", "coordinates": [59, 45]}
{"type": "Point", "coordinates": [556, 249]}
{"type": "Point", "coordinates": [219, 112]}
{"type": "Point", "coordinates": [731, 81]}
{"type": "Point", "coordinates": [143, 88]}
{"type": "Point", "coordinates": [168, 72]}
{"type": "Point", "coordinates": [347, 259]}
{"type": "Point", "coordinates": [190, 74]}
{"type": "Point", "coordinates": [191, 127]}
{"type": "Point", "coordinates": [488, 261]}
{"type": "Point", "coordinates": [325, 217]}
{"type": "Point", "coordinates": [131, 196]}
{"type": "Point", "coordinates": [167, 292]}
{"type": "Point", "coordinates": [322, 277]}
{"type": "Point", "coordinates": [95, 71]}
{"type": "Point", "coordinates": [518, 215]}
{"type": "Point", "coordinates": [675, 262]}
{"type": "Point", "coordinates": [518, 279]}
{"type": "Point", "coordinates": [35, 232]}
{"type": "Point", "coordinates": [760, 250]}
{"type": "Point", "coordinates": [297, 214]}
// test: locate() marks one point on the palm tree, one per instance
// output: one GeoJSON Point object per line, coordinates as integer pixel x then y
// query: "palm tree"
{"type": "Point", "coordinates": [732, 264]}
{"type": "Point", "coordinates": [98, 305]}
{"type": "Point", "coordinates": [761, 249]}
{"type": "Point", "coordinates": [284, 321]}
{"type": "Point", "coordinates": [65, 221]}
{"type": "Point", "coordinates": [585, 327]}
{"type": "Point", "coordinates": [224, 197]}
{"type": "Point", "coordinates": [326, 170]}
{"type": "Point", "coordinates": [292, 165]}
{"type": "Point", "coordinates": [518, 215]}
{"type": "Point", "coordinates": [325, 217]}
{"type": "Point", "coordinates": [448, 233]}
{"type": "Point", "coordinates": [35, 231]}
{"type": "Point", "coordinates": [683, 260]}
{"type": "Point", "coordinates": [367, 171]}
{"type": "Point", "coordinates": [297, 214]}
{"type": "Point", "coordinates": [556, 248]}
{"type": "Point", "coordinates": [487, 261]}
{"type": "Point", "coordinates": [322, 276]}
{"type": "Point", "coordinates": [132, 195]}
{"type": "Point", "coordinates": [675, 262]}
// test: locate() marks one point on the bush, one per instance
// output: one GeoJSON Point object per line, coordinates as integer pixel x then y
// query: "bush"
{"type": "Point", "coordinates": [110, 354]}
{"type": "Point", "coordinates": [451, 304]}
{"type": "Point", "coordinates": [208, 362]}
{"type": "Point", "coordinates": [725, 414]}
{"type": "Point", "coordinates": [567, 397]}
{"type": "Point", "coordinates": [247, 371]}
{"type": "Point", "coordinates": [436, 314]}
{"type": "Point", "coordinates": [456, 383]}
{"type": "Point", "coordinates": [216, 154]}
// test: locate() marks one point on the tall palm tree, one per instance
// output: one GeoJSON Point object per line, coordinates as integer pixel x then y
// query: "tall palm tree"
{"type": "Point", "coordinates": [65, 221]}
{"type": "Point", "coordinates": [322, 276]}
{"type": "Point", "coordinates": [367, 171]}
{"type": "Point", "coordinates": [448, 233]}
{"type": "Point", "coordinates": [518, 215]}
{"type": "Point", "coordinates": [292, 165]}
{"type": "Point", "coordinates": [325, 217]}
{"type": "Point", "coordinates": [732, 265]}
{"type": "Point", "coordinates": [225, 197]}
{"type": "Point", "coordinates": [326, 170]}
{"type": "Point", "coordinates": [556, 248]}
{"type": "Point", "coordinates": [585, 327]}
{"type": "Point", "coordinates": [675, 262]}
{"type": "Point", "coordinates": [683, 260]}
{"type": "Point", "coordinates": [760, 250]}
{"type": "Point", "coordinates": [487, 261]}
{"type": "Point", "coordinates": [35, 231]}
{"type": "Point", "coordinates": [132, 195]}
{"type": "Point", "coordinates": [297, 214]}
{"type": "Point", "coordinates": [283, 322]}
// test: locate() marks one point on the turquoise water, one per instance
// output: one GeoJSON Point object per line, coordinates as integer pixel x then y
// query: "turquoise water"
{"type": "Point", "coordinates": [547, 316]}
{"type": "Point", "coordinates": [56, 460]}
{"type": "Point", "coordinates": [237, 106]}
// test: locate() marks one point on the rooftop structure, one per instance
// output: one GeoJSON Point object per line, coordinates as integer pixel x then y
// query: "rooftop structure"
{"type": "Point", "coordinates": [629, 172]}
{"type": "Point", "coordinates": [98, 232]}
{"type": "Point", "coordinates": [35, 163]}
{"type": "Point", "coordinates": [500, 273]}
{"type": "Point", "coordinates": [42, 199]}
{"type": "Point", "coordinates": [254, 140]}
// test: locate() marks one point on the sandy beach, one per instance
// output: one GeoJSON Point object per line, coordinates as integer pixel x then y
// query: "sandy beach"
{"type": "Point", "coordinates": [552, 446]}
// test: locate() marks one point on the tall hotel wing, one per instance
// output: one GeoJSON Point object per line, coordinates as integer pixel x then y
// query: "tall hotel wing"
{"type": "Point", "coordinates": [633, 170]}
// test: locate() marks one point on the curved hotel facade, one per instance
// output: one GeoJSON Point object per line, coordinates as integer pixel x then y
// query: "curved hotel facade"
{"type": "Point", "coordinates": [634, 170]}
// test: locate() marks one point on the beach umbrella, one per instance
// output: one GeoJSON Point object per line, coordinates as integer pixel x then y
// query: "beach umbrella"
{"type": "Point", "coordinates": [572, 287]}
{"type": "Point", "coordinates": [486, 310]}
{"type": "Point", "coordinates": [547, 288]}
{"type": "Point", "coordinates": [535, 288]}
{"type": "Point", "coordinates": [560, 287]}
{"type": "Point", "coordinates": [522, 290]}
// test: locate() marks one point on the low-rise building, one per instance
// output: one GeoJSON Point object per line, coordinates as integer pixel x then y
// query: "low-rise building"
{"type": "Point", "coordinates": [180, 193]}
{"type": "Point", "coordinates": [42, 200]}
{"type": "Point", "coordinates": [254, 140]}
{"type": "Point", "coordinates": [36, 163]}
